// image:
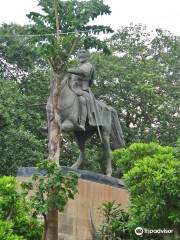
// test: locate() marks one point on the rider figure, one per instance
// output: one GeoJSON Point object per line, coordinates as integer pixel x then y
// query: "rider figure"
{"type": "Point", "coordinates": [82, 79]}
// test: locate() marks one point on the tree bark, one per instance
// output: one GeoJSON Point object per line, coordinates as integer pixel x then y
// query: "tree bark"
{"type": "Point", "coordinates": [54, 130]}
{"type": "Point", "coordinates": [53, 117]}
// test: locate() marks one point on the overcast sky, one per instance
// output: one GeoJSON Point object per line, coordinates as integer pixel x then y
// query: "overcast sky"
{"type": "Point", "coordinates": [153, 13]}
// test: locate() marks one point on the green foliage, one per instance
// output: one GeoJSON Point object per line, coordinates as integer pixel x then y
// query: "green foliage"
{"type": "Point", "coordinates": [141, 81]}
{"type": "Point", "coordinates": [15, 49]}
{"type": "Point", "coordinates": [115, 225]}
{"type": "Point", "coordinates": [16, 221]}
{"type": "Point", "coordinates": [95, 161]}
{"type": "Point", "coordinates": [6, 231]}
{"type": "Point", "coordinates": [51, 187]}
{"type": "Point", "coordinates": [20, 145]}
{"type": "Point", "coordinates": [126, 158]}
{"type": "Point", "coordinates": [152, 179]}
{"type": "Point", "coordinates": [35, 88]}
{"type": "Point", "coordinates": [73, 16]}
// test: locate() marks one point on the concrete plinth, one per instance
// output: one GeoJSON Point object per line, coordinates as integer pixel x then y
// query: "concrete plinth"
{"type": "Point", "coordinates": [82, 214]}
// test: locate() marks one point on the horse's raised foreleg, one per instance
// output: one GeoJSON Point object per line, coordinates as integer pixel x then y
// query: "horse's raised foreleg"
{"type": "Point", "coordinates": [107, 151]}
{"type": "Point", "coordinates": [80, 139]}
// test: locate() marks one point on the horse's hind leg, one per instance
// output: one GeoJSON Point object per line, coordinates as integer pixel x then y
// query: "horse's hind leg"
{"type": "Point", "coordinates": [80, 139]}
{"type": "Point", "coordinates": [107, 151]}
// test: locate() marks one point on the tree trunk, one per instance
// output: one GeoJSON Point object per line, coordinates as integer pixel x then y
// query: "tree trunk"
{"type": "Point", "coordinates": [52, 224]}
{"type": "Point", "coordinates": [54, 130]}
{"type": "Point", "coordinates": [53, 117]}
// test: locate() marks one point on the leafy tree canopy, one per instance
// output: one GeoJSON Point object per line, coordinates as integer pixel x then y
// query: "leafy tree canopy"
{"type": "Point", "coordinates": [72, 16]}
{"type": "Point", "coordinates": [20, 144]}
{"type": "Point", "coordinates": [17, 50]}
{"type": "Point", "coordinates": [141, 80]}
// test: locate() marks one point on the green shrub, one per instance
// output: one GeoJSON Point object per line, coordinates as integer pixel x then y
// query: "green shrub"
{"type": "Point", "coordinates": [125, 158]}
{"type": "Point", "coordinates": [152, 178]}
{"type": "Point", "coordinates": [16, 221]}
{"type": "Point", "coordinates": [115, 225]}
{"type": "Point", "coordinates": [6, 231]}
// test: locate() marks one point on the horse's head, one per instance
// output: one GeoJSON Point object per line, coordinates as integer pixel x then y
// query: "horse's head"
{"type": "Point", "coordinates": [67, 95]}
{"type": "Point", "coordinates": [65, 81]}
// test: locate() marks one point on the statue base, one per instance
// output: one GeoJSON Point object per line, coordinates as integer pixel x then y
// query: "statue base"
{"type": "Point", "coordinates": [82, 217]}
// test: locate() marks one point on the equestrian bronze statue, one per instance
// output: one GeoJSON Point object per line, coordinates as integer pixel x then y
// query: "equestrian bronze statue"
{"type": "Point", "coordinates": [81, 113]}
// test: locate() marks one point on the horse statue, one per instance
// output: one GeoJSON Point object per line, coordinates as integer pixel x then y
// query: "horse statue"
{"type": "Point", "coordinates": [108, 129]}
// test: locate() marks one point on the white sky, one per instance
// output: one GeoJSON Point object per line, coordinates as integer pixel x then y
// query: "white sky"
{"type": "Point", "coordinates": [153, 13]}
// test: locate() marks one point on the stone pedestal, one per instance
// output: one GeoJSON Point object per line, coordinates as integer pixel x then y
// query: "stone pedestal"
{"type": "Point", "coordinates": [82, 216]}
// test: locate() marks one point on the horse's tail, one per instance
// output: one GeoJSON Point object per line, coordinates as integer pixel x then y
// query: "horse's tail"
{"type": "Point", "coordinates": [116, 131]}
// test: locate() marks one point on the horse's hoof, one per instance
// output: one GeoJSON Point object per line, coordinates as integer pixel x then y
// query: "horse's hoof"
{"type": "Point", "coordinates": [109, 175]}
{"type": "Point", "coordinates": [74, 167]}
